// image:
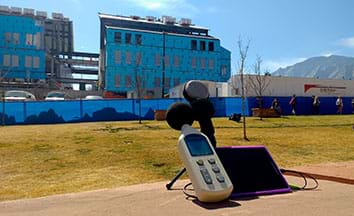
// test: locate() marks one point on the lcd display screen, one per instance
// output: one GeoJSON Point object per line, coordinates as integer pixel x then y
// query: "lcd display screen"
{"type": "Point", "coordinates": [198, 145]}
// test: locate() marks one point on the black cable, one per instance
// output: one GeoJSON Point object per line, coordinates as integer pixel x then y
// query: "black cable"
{"type": "Point", "coordinates": [185, 191]}
{"type": "Point", "coordinates": [304, 176]}
{"type": "Point", "coordinates": [313, 179]}
{"type": "Point", "coordinates": [283, 171]}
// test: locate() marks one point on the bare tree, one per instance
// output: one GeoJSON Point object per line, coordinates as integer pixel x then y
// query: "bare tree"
{"type": "Point", "coordinates": [257, 82]}
{"type": "Point", "coordinates": [243, 50]}
{"type": "Point", "coordinates": [139, 83]}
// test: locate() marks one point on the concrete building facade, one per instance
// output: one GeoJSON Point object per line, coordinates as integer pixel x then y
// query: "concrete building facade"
{"type": "Point", "coordinates": [280, 86]}
{"type": "Point", "coordinates": [148, 56]}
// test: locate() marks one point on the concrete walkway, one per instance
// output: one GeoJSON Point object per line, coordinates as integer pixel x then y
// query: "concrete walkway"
{"type": "Point", "coordinates": [331, 198]}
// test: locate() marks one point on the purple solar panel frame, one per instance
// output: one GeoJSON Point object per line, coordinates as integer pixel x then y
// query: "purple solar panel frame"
{"type": "Point", "coordinates": [265, 192]}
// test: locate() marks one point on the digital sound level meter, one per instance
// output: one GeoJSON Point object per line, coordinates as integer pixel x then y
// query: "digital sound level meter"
{"type": "Point", "coordinates": [208, 176]}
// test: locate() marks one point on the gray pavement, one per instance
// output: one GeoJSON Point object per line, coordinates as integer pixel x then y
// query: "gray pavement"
{"type": "Point", "coordinates": [331, 198]}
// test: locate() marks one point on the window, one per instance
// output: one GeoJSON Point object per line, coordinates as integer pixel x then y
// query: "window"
{"type": "Point", "coordinates": [176, 61]}
{"type": "Point", "coordinates": [60, 45]}
{"type": "Point", "coordinates": [138, 58]}
{"type": "Point", "coordinates": [211, 64]}
{"type": "Point", "coordinates": [128, 38]}
{"type": "Point", "coordinates": [157, 60]}
{"type": "Point", "coordinates": [194, 62]}
{"type": "Point", "coordinates": [138, 39]}
{"type": "Point", "coordinates": [117, 81]}
{"type": "Point", "coordinates": [48, 42]}
{"type": "Point", "coordinates": [223, 70]}
{"type": "Point", "coordinates": [117, 37]}
{"type": "Point", "coordinates": [202, 63]}
{"type": "Point", "coordinates": [167, 61]}
{"type": "Point", "coordinates": [202, 45]}
{"type": "Point", "coordinates": [157, 82]}
{"type": "Point", "coordinates": [66, 45]}
{"type": "Point", "coordinates": [8, 37]}
{"type": "Point", "coordinates": [138, 81]}
{"type": "Point", "coordinates": [128, 58]}
{"type": "Point", "coordinates": [35, 62]}
{"type": "Point", "coordinates": [193, 44]}
{"type": "Point", "coordinates": [176, 81]}
{"type": "Point", "coordinates": [6, 60]}
{"type": "Point", "coordinates": [28, 61]}
{"type": "Point", "coordinates": [211, 46]}
{"type": "Point", "coordinates": [167, 82]}
{"type": "Point", "coordinates": [37, 40]}
{"type": "Point", "coordinates": [128, 81]}
{"type": "Point", "coordinates": [15, 61]}
{"type": "Point", "coordinates": [118, 57]}
{"type": "Point", "coordinates": [29, 39]}
{"type": "Point", "coordinates": [16, 38]}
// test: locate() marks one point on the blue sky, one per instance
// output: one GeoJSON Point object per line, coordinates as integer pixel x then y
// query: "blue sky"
{"type": "Point", "coordinates": [282, 32]}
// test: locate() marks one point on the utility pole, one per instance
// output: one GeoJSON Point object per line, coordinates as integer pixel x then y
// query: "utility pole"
{"type": "Point", "coordinates": [163, 64]}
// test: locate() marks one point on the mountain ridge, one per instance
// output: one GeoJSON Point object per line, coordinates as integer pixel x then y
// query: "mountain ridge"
{"type": "Point", "coordinates": [331, 67]}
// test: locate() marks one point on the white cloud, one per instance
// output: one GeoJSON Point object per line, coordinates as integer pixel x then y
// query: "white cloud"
{"type": "Point", "coordinates": [168, 7]}
{"type": "Point", "coordinates": [274, 64]}
{"type": "Point", "coordinates": [347, 42]}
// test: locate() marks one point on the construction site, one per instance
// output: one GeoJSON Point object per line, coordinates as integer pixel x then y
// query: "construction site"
{"type": "Point", "coordinates": [38, 56]}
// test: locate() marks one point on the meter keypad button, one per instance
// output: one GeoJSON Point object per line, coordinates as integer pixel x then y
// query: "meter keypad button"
{"type": "Point", "coordinates": [220, 178]}
{"type": "Point", "coordinates": [206, 176]}
{"type": "Point", "coordinates": [200, 162]}
{"type": "Point", "coordinates": [211, 161]}
{"type": "Point", "coordinates": [216, 169]}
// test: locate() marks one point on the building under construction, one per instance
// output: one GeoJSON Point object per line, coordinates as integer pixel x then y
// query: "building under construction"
{"type": "Point", "coordinates": [37, 51]}
{"type": "Point", "coordinates": [147, 56]}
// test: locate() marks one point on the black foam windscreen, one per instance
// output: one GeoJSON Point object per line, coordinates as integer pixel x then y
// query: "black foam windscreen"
{"type": "Point", "coordinates": [252, 171]}
{"type": "Point", "coordinates": [179, 114]}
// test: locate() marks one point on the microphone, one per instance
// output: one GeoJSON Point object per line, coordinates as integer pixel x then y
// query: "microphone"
{"type": "Point", "coordinates": [210, 181]}
{"type": "Point", "coordinates": [178, 115]}
{"type": "Point", "coordinates": [197, 94]}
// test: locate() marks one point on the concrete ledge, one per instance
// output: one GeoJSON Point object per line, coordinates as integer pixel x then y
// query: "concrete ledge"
{"type": "Point", "coordinates": [331, 198]}
{"type": "Point", "coordinates": [153, 199]}
{"type": "Point", "coordinates": [342, 172]}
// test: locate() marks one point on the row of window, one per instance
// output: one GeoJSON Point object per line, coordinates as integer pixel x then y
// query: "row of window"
{"type": "Point", "coordinates": [137, 81]}
{"type": "Point", "coordinates": [13, 61]}
{"type": "Point", "coordinates": [202, 45]}
{"type": "Point", "coordinates": [128, 38]}
{"type": "Point", "coordinates": [138, 41]}
{"type": "Point", "coordinates": [31, 39]}
{"type": "Point", "coordinates": [203, 62]}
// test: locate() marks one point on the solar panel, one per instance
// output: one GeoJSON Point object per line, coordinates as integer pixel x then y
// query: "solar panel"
{"type": "Point", "coordinates": [252, 171]}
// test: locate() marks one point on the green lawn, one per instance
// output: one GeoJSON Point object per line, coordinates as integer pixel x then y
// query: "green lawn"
{"type": "Point", "coordinates": [41, 160]}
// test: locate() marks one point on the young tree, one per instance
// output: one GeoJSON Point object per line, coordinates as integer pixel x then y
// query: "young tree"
{"type": "Point", "coordinates": [257, 82]}
{"type": "Point", "coordinates": [243, 50]}
{"type": "Point", "coordinates": [139, 84]}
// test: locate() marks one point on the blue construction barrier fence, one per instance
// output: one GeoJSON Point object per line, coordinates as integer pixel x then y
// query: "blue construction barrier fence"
{"type": "Point", "coordinates": [71, 111]}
